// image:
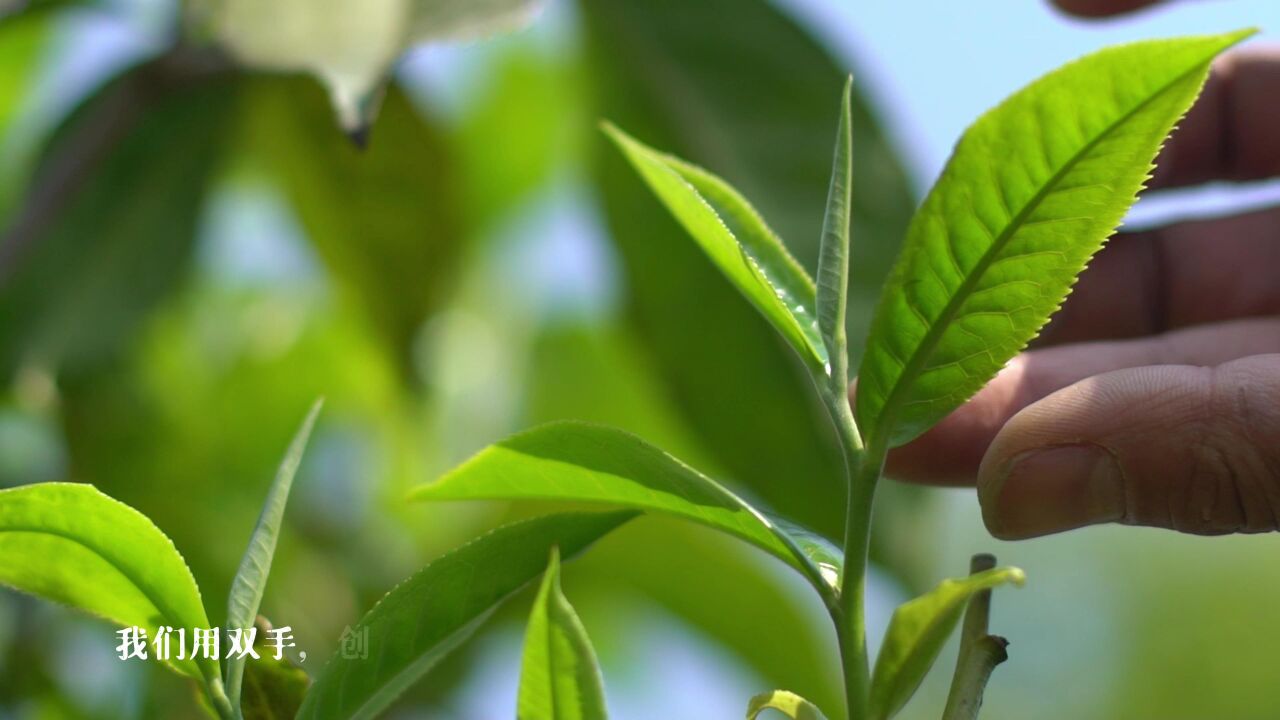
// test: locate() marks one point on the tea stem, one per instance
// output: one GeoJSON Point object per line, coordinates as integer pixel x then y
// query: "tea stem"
{"type": "Point", "coordinates": [865, 469]}
{"type": "Point", "coordinates": [219, 700]}
{"type": "Point", "coordinates": [980, 652]}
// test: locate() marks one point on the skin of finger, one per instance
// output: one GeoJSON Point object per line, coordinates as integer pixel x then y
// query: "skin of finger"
{"type": "Point", "coordinates": [1229, 134]}
{"type": "Point", "coordinates": [1102, 8]}
{"type": "Point", "coordinates": [1198, 449]}
{"type": "Point", "coordinates": [951, 452]}
{"type": "Point", "coordinates": [1186, 274]}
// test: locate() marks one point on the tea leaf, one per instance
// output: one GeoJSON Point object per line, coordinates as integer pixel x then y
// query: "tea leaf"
{"type": "Point", "coordinates": [72, 544]}
{"type": "Point", "coordinates": [560, 677]}
{"type": "Point", "coordinates": [251, 579]}
{"type": "Point", "coordinates": [918, 630]}
{"type": "Point", "coordinates": [833, 258]}
{"type": "Point", "coordinates": [435, 610]}
{"type": "Point", "coordinates": [787, 703]}
{"type": "Point", "coordinates": [764, 122]}
{"type": "Point", "coordinates": [736, 239]}
{"type": "Point", "coordinates": [588, 463]}
{"type": "Point", "coordinates": [1032, 191]}
{"type": "Point", "coordinates": [273, 689]}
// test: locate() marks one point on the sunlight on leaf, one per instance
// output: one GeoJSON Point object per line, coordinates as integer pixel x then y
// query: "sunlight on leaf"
{"type": "Point", "coordinates": [72, 544]}
{"type": "Point", "coordinates": [560, 676]}
{"type": "Point", "coordinates": [787, 703]}
{"type": "Point", "coordinates": [588, 463]}
{"type": "Point", "coordinates": [918, 630]}
{"type": "Point", "coordinates": [1032, 191]}
{"type": "Point", "coordinates": [736, 239]}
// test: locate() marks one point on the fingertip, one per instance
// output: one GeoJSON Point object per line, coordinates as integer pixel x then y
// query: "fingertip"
{"type": "Point", "coordinates": [1094, 9]}
{"type": "Point", "coordinates": [1049, 490]}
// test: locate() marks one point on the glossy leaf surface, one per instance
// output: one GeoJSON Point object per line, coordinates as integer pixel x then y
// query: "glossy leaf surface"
{"type": "Point", "coordinates": [833, 258]}
{"type": "Point", "coordinates": [560, 676]}
{"type": "Point", "coordinates": [1031, 192]}
{"type": "Point", "coordinates": [70, 543]}
{"type": "Point", "coordinates": [737, 240]}
{"type": "Point", "coordinates": [431, 613]}
{"type": "Point", "coordinates": [251, 579]}
{"type": "Point", "coordinates": [677, 75]}
{"type": "Point", "coordinates": [787, 703]}
{"type": "Point", "coordinates": [588, 463]}
{"type": "Point", "coordinates": [918, 630]}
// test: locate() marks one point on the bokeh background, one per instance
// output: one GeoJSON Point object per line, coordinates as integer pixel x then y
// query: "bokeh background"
{"type": "Point", "coordinates": [189, 258]}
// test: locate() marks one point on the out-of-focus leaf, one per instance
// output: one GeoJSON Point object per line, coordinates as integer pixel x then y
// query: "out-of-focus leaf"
{"type": "Point", "coordinates": [1032, 191]}
{"type": "Point", "coordinates": [109, 224]}
{"type": "Point", "coordinates": [70, 543]}
{"type": "Point", "coordinates": [560, 676]}
{"type": "Point", "coordinates": [918, 630]}
{"type": "Point", "coordinates": [251, 579]}
{"type": "Point", "coordinates": [683, 78]}
{"type": "Point", "coordinates": [351, 44]}
{"type": "Point", "coordinates": [273, 689]}
{"type": "Point", "coordinates": [587, 463]}
{"type": "Point", "coordinates": [432, 612]}
{"type": "Point", "coordinates": [525, 124]}
{"type": "Point", "coordinates": [386, 220]}
{"type": "Point", "coordinates": [736, 239]}
{"type": "Point", "coordinates": [787, 703]}
{"type": "Point", "coordinates": [23, 40]}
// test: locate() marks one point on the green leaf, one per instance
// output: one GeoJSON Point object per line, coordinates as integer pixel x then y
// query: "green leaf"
{"type": "Point", "coordinates": [918, 630]}
{"type": "Point", "coordinates": [833, 257]}
{"type": "Point", "coordinates": [72, 544]}
{"type": "Point", "coordinates": [435, 610]}
{"type": "Point", "coordinates": [251, 579]}
{"type": "Point", "coordinates": [572, 367]}
{"type": "Point", "coordinates": [399, 196]}
{"type": "Point", "coordinates": [24, 41]}
{"type": "Point", "coordinates": [572, 461]}
{"type": "Point", "coordinates": [560, 677]}
{"type": "Point", "coordinates": [1031, 193]}
{"type": "Point", "coordinates": [351, 45]}
{"type": "Point", "coordinates": [677, 75]}
{"type": "Point", "coordinates": [109, 224]}
{"type": "Point", "coordinates": [736, 239]}
{"type": "Point", "coordinates": [273, 689]}
{"type": "Point", "coordinates": [787, 703]}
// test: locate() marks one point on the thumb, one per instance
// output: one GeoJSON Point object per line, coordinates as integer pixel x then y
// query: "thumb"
{"type": "Point", "coordinates": [1187, 448]}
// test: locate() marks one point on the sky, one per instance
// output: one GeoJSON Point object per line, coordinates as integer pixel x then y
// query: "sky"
{"type": "Point", "coordinates": [936, 65]}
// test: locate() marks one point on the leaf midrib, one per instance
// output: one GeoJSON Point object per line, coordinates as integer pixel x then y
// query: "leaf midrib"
{"type": "Point", "coordinates": [913, 366]}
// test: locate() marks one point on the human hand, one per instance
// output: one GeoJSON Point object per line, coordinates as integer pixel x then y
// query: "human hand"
{"type": "Point", "coordinates": [1153, 398]}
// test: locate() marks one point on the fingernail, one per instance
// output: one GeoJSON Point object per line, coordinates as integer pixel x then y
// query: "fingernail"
{"type": "Point", "coordinates": [1055, 489]}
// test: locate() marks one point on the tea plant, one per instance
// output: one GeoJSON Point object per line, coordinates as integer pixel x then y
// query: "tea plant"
{"type": "Point", "coordinates": [1030, 194]}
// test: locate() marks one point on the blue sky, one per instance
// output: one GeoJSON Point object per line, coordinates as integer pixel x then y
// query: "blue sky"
{"type": "Point", "coordinates": [935, 65]}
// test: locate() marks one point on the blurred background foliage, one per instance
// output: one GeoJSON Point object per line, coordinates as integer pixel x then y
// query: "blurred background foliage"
{"type": "Point", "coordinates": [192, 252]}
